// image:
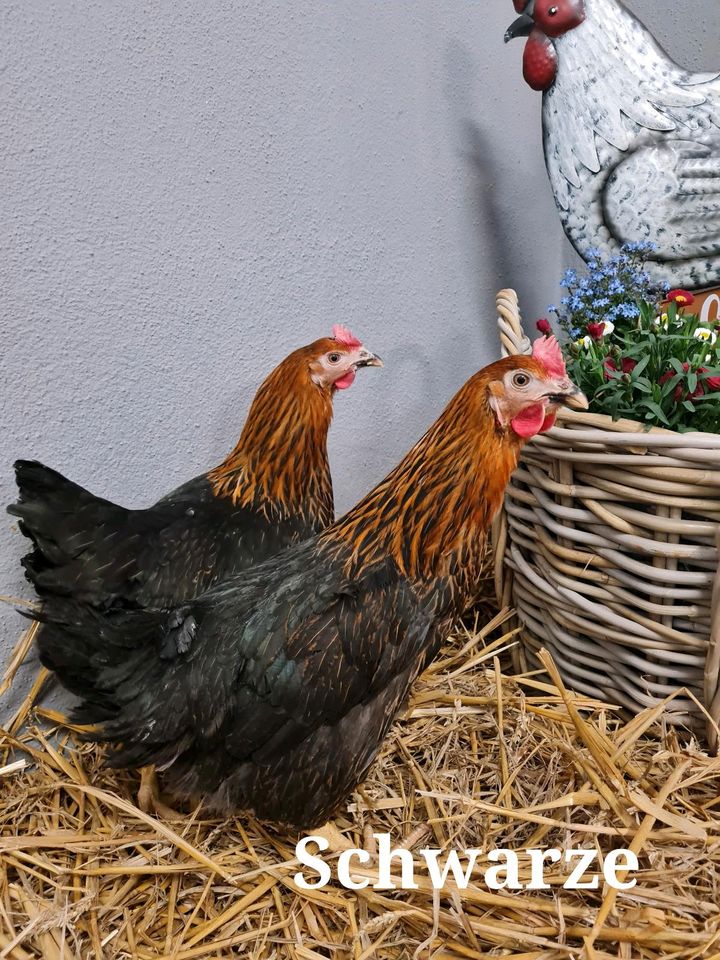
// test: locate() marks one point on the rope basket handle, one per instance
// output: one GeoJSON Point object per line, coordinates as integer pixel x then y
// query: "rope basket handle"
{"type": "Point", "coordinates": [513, 340]}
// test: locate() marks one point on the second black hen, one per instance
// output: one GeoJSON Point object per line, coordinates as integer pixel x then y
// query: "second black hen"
{"type": "Point", "coordinates": [273, 490]}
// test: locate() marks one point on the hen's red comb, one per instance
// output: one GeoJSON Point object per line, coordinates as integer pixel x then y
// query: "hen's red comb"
{"type": "Point", "coordinates": [343, 335]}
{"type": "Point", "coordinates": [547, 351]}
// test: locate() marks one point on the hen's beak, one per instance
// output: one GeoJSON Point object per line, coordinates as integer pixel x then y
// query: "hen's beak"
{"type": "Point", "coordinates": [522, 27]}
{"type": "Point", "coordinates": [367, 359]}
{"type": "Point", "coordinates": [572, 397]}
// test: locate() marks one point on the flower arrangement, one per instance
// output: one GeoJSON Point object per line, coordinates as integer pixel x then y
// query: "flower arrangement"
{"type": "Point", "coordinates": [638, 352]}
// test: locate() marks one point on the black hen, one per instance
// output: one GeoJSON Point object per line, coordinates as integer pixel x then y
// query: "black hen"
{"type": "Point", "coordinates": [273, 490]}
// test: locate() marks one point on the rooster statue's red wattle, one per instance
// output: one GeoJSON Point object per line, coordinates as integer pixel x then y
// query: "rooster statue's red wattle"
{"type": "Point", "coordinates": [632, 141]}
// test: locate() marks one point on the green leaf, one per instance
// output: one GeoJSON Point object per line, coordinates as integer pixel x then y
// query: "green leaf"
{"type": "Point", "coordinates": [669, 386]}
{"type": "Point", "coordinates": [655, 410]}
{"type": "Point", "coordinates": [676, 365]}
{"type": "Point", "coordinates": [643, 385]}
{"type": "Point", "coordinates": [641, 367]}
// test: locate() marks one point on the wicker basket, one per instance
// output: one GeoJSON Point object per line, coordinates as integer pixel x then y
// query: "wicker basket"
{"type": "Point", "coordinates": [607, 550]}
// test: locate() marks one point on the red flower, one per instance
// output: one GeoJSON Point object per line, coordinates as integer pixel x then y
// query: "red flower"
{"type": "Point", "coordinates": [627, 366]}
{"type": "Point", "coordinates": [544, 327]}
{"type": "Point", "coordinates": [680, 391]}
{"type": "Point", "coordinates": [596, 330]}
{"type": "Point", "coordinates": [681, 297]}
{"type": "Point", "coordinates": [712, 382]}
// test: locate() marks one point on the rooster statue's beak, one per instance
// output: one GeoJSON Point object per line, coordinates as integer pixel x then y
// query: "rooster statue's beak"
{"type": "Point", "coordinates": [522, 27]}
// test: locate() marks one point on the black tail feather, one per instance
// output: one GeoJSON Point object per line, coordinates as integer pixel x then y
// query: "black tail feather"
{"type": "Point", "coordinates": [76, 536]}
{"type": "Point", "coordinates": [93, 652]}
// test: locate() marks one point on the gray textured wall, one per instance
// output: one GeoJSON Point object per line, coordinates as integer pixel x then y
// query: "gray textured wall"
{"type": "Point", "coordinates": [192, 189]}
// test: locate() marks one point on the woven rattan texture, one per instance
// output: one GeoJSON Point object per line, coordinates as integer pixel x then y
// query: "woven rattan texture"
{"type": "Point", "coordinates": [607, 549]}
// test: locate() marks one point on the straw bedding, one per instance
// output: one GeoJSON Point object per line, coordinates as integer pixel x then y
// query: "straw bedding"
{"type": "Point", "coordinates": [481, 759]}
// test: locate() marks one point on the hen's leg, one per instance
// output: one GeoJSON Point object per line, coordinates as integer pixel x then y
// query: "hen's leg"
{"type": "Point", "coordinates": [149, 796]}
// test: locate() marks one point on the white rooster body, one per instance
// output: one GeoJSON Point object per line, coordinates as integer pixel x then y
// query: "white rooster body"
{"type": "Point", "coordinates": [632, 142]}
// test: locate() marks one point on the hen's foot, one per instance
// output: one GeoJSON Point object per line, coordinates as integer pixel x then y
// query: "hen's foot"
{"type": "Point", "coordinates": [148, 797]}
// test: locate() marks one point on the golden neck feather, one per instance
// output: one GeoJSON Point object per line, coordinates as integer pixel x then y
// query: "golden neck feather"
{"type": "Point", "coordinates": [279, 465]}
{"type": "Point", "coordinates": [431, 514]}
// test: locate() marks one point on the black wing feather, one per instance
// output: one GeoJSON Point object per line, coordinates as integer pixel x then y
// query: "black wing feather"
{"type": "Point", "coordinates": [292, 679]}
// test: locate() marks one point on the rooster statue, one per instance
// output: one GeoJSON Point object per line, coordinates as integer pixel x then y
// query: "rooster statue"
{"type": "Point", "coordinates": [274, 690]}
{"type": "Point", "coordinates": [632, 141]}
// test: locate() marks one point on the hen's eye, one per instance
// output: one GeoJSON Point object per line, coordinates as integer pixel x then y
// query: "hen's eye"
{"type": "Point", "coordinates": [334, 357]}
{"type": "Point", "coordinates": [521, 380]}
{"type": "Point", "coordinates": [552, 11]}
